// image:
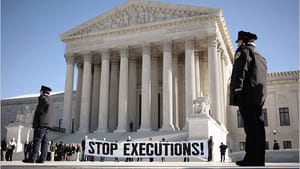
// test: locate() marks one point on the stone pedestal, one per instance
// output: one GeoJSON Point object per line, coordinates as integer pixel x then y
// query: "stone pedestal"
{"type": "Point", "coordinates": [21, 134]}
{"type": "Point", "coordinates": [202, 126]}
{"type": "Point", "coordinates": [20, 130]}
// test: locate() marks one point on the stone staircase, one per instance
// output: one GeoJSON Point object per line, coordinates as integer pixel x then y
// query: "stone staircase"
{"type": "Point", "coordinates": [121, 136]}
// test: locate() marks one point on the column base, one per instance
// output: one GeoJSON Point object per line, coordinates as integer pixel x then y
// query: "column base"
{"type": "Point", "coordinates": [100, 131]}
{"type": "Point", "coordinates": [143, 129]}
{"type": "Point", "coordinates": [82, 131]}
{"type": "Point", "coordinates": [120, 131]}
{"type": "Point", "coordinates": [167, 128]}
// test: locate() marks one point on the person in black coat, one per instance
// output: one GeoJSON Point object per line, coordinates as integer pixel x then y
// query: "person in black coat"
{"type": "Point", "coordinates": [3, 148]}
{"type": "Point", "coordinates": [223, 148]}
{"type": "Point", "coordinates": [41, 124]}
{"type": "Point", "coordinates": [248, 92]}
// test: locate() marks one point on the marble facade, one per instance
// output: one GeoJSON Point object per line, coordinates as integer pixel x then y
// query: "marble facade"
{"type": "Point", "coordinates": [142, 65]}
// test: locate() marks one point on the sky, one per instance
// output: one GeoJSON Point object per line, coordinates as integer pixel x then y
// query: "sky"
{"type": "Point", "coordinates": [32, 53]}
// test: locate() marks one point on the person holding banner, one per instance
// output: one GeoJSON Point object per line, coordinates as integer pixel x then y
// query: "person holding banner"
{"type": "Point", "coordinates": [151, 159]}
{"type": "Point", "coordinates": [103, 158]}
{"type": "Point", "coordinates": [116, 158]}
{"type": "Point", "coordinates": [83, 157]}
{"type": "Point", "coordinates": [186, 159]}
{"type": "Point", "coordinates": [163, 158]}
{"type": "Point", "coordinates": [128, 159]}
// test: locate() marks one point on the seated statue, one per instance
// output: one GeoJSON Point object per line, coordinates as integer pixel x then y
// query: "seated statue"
{"type": "Point", "coordinates": [202, 105]}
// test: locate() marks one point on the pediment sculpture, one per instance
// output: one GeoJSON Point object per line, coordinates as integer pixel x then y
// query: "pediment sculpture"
{"type": "Point", "coordinates": [135, 14]}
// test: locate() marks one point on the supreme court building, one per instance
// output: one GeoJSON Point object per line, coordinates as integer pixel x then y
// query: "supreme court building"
{"type": "Point", "coordinates": [150, 68]}
{"type": "Point", "coordinates": [145, 66]}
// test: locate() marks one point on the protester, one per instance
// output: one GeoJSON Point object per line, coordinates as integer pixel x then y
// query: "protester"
{"type": "Point", "coordinates": [163, 158]}
{"type": "Point", "coordinates": [223, 148]}
{"type": "Point", "coordinates": [116, 158]}
{"type": "Point", "coordinates": [27, 149]}
{"type": "Point", "coordinates": [186, 159]}
{"type": "Point", "coordinates": [3, 148]}
{"type": "Point", "coordinates": [151, 159]}
{"type": "Point", "coordinates": [127, 158]}
{"type": "Point", "coordinates": [83, 157]}
{"type": "Point", "coordinates": [11, 146]}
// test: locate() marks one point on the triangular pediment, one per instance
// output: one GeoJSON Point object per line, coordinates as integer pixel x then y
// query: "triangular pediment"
{"type": "Point", "coordinates": [137, 12]}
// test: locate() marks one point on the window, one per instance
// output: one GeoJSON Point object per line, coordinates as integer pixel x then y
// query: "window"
{"type": "Point", "coordinates": [287, 144]}
{"type": "Point", "coordinates": [264, 116]}
{"type": "Point", "coordinates": [242, 145]}
{"type": "Point", "coordinates": [240, 120]}
{"type": "Point", "coordinates": [284, 116]}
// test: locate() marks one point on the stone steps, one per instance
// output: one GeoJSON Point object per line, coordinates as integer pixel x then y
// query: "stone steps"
{"type": "Point", "coordinates": [122, 136]}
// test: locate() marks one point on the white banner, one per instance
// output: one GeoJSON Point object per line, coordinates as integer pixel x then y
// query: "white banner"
{"type": "Point", "coordinates": [194, 148]}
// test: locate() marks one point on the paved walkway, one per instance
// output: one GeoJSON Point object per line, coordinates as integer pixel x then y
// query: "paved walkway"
{"type": "Point", "coordinates": [146, 164]}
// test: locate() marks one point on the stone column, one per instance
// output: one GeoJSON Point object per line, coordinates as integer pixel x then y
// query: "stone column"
{"type": "Point", "coordinates": [123, 91]}
{"type": "Point", "coordinates": [146, 89]}
{"type": "Point", "coordinates": [214, 81]}
{"type": "Point", "coordinates": [113, 94]}
{"type": "Point", "coordinates": [175, 92]}
{"type": "Point", "coordinates": [68, 93]}
{"type": "Point", "coordinates": [86, 94]}
{"type": "Point", "coordinates": [190, 90]}
{"type": "Point", "coordinates": [132, 93]}
{"type": "Point", "coordinates": [78, 95]}
{"type": "Point", "coordinates": [181, 92]}
{"type": "Point", "coordinates": [95, 96]}
{"type": "Point", "coordinates": [222, 95]}
{"type": "Point", "coordinates": [104, 91]}
{"type": "Point", "coordinates": [197, 75]}
{"type": "Point", "coordinates": [154, 93]}
{"type": "Point", "coordinates": [167, 87]}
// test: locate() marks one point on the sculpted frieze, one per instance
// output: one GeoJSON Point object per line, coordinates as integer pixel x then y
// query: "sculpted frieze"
{"type": "Point", "coordinates": [134, 15]}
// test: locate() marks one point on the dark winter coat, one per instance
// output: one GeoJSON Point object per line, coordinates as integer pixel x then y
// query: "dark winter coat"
{"type": "Point", "coordinates": [249, 77]}
{"type": "Point", "coordinates": [42, 115]}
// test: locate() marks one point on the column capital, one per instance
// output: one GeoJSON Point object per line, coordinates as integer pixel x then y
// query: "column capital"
{"type": "Point", "coordinates": [124, 52]}
{"type": "Point", "coordinates": [105, 54]}
{"type": "Point", "coordinates": [69, 58]}
{"type": "Point", "coordinates": [146, 48]}
{"type": "Point", "coordinates": [189, 43]}
{"type": "Point", "coordinates": [212, 41]}
{"type": "Point", "coordinates": [87, 56]}
{"type": "Point", "coordinates": [167, 45]}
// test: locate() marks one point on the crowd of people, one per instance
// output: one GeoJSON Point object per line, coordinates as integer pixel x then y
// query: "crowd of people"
{"type": "Point", "coordinates": [56, 151]}
{"type": "Point", "coordinates": [7, 149]}
{"type": "Point", "coordinates": [60, 151]}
